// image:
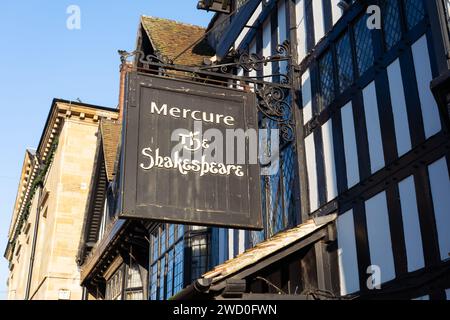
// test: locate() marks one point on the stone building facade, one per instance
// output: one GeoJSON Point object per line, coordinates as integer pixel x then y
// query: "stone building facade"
{"type": "Point", "coordinates": [49, 209]}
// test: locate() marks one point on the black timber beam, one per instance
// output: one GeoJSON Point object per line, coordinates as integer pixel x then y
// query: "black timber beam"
{"type": "Point", "coordinates": [230, 35]}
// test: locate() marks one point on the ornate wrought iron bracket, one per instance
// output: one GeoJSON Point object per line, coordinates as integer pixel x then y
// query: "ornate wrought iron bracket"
{"type": "Point", "coordinates": [249, 62]}
{"type": "Point", "coordinates": [273, 103]}
{"type": "Point", "coordinates": [272, 97]}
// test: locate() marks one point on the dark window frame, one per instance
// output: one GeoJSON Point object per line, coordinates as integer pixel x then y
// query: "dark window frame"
{"type": "Point", "coordinates": [160, 261]}
{"type": "Point", "coordinates": [122, 283]}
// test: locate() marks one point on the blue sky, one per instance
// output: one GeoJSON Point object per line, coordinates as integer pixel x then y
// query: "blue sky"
{"type": "Point", "coordinates": [41, 59]}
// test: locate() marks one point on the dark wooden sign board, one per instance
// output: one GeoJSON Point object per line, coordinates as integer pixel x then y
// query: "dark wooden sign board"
{"type": "Point", "coordinates": [154, 108]}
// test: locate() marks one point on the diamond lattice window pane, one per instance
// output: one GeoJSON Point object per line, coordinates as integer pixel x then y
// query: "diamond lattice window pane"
{"type": "Point", "coordinates": [415, 12]}
{"type": "Point", "coordinates": [345, 63]}
{"type": "Point", "coordinates": [326, 79]}
{"type": "Point", "coordinates": [288, 167]}
{"type": "Point", "coordinates": [364, 45]}
{"type": "Point", "coordinates": [391, 23]}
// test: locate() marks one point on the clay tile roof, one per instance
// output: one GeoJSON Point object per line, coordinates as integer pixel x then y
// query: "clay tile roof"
{"type": "Point", "coordinates": [111, 132]}
{"type": "Point", "coordinates": [170, 38]}
{"type": "Point", "coordinates": [262, 251]}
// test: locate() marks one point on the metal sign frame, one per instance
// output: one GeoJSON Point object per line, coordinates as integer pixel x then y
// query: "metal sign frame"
{"type": "Point", "coordinates": [269, 99]}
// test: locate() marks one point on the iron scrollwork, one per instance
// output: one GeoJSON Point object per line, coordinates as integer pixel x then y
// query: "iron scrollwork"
{"type": "Point", "coordinates": [254, 62]}
{"type": "Point", "coordinates": [273, 103]}
{"type": "Point", "coordinates": [143, 58]}
{"type": "Point", "coordinates": [273, 98]}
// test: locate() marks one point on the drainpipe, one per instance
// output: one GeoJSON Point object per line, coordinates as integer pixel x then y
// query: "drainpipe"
{"type": "Point", "coordinates": [85, 294]}
{"type": "Point", "coordinates": [33, 245]}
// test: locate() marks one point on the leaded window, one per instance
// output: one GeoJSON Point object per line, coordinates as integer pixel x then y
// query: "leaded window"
{"type": "Point", "coordinates": [259, 236]}
{"type": "Point", "coordinates": [162, 277]}
{"type": "Point", "coordinates": [355, 47]}
{"type": "Point", "coordinates": [200, 254]}
{"type": "Point", "coordinates": [275, 218]}
{"type": "Point", "coordinates": [344, 62]}
{"type": "Point", "coordinates": [134, 279]}
{"type": "Point", "coordinates": [276, 213]}
{"type": "Point", "coordinates": [273, 195]}
{"type": "Point", "coordinates": [155, 247]}
{"type": "Point", "coordinates": [125, 283]}
{"type": "Point", "coordinates": [392, 29]}
{"type": "Point", "coordinates": [282, 213]}
{"type": "Point", "coordinates": [170, 262]}
{"type": "Point", "coordinates": [364, 45]}
{"type": "Point", "coordinates": [134, 285]}
{"type": "Point", "coordinates": [414, 11]}
{"type": "Point", "coordinates": [171, 234]}
{"type": "Point", "coordinates": [326, 79]}
{"type": "Point", "coordinates": [178, 275]}
{"type": "Point", "coordinates": [288, 163]}
{"type": "Point", "coordinates": [277, 188]}
{"type": "Point", "coordinates": [167, 261]}
{"type": "Point", "coordinates": [114, 285]}
{"type": "Point", "coordinates": [154, 281]}
{"type": "Point", "coordinates": [163, 239]}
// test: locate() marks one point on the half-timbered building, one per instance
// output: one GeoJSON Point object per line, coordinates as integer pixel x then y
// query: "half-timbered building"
{"type": "Point", "coordinates": [360, 205]}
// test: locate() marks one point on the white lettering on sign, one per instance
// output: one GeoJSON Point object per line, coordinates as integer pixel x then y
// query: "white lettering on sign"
{"type": "Point", "coordinates": [187, 165]}
{"type": "Point", "coordinates": [194, 144]}
{"type": "Point", "coordinates": [194, 114]}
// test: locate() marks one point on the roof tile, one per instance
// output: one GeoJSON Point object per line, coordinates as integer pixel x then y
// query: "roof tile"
{"type": "Point", "coordinates": [170, 38]}
{"type": "Point", "coordinates": [261, 251]}
{"type": "Point", "coordinates": [111, 132]}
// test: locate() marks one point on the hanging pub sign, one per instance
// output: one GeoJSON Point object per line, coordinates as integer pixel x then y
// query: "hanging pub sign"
{"type": "Point", "coordinates": [188, 154]}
